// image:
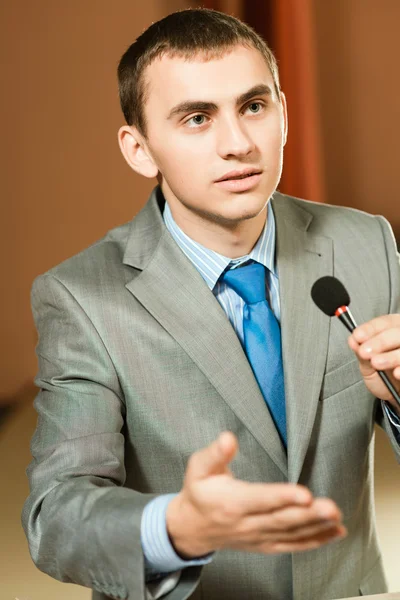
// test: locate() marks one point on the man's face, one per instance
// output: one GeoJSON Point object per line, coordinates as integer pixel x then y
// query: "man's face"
{"type": "Point", "coordinates": [206, 120]}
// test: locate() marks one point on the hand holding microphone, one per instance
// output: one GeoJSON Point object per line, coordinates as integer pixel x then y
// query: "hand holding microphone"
{"type": "Point", "coordinates": [376, 343]}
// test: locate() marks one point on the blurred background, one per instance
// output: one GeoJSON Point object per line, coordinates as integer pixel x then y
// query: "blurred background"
{"type": "Point", "coordinates": [65, 183]}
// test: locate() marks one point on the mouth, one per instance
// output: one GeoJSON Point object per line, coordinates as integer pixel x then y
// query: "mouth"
{"type": "Point", "coordinates": [235, 175]}
{"type": "Point", "coordinates": [242, 182]}
{"type": "Point", "coordinates": [241, 176]}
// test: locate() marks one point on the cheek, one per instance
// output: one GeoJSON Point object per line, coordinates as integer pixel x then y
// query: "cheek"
{"type": "Point", "coordinates": [183, 161]}
{"type": "Point", "coordinates": [193, 148]}
{"type": "Point", "coordinates": [269, 132]}
{"type": "Point", "coordinates": [272, 151]}
{"type": "Point", "coordinates": [271, 139]}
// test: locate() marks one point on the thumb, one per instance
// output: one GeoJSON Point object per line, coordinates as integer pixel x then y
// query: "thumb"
{"type": "Point", "coordinates": [213, 459]}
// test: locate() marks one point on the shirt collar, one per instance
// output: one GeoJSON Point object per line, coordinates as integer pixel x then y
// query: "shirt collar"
{"type": "Point", "coordinates": [211, 264]}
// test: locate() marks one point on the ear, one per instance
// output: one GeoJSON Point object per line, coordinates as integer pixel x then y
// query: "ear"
{"type": "Point", "coordinates": [136, 152]}
{"type": "Point", "coordinates": [285, 118]}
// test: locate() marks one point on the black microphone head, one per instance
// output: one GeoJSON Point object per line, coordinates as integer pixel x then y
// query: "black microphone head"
{"type": "Point", "coordinates": [329, 294]}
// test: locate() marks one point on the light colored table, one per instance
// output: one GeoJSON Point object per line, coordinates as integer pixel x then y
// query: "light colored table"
{"type": "Point", "coordinates": [395, 596]}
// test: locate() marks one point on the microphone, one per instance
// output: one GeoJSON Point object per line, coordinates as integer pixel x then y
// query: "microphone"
{"type": "Point", "coordinates": [330, 295]}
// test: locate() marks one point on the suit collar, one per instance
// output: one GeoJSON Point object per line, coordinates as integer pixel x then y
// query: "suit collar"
{"type": "Point", "coordinates": [146, 231]}
{"type": "Point", "coordinates": [302, 257]}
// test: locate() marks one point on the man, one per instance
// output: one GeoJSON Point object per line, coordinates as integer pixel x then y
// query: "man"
{"type": "Point", "coordinates": [172, 458]}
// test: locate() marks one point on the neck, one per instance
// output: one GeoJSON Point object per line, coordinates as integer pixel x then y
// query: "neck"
{"type": "Point", "coordinates": [231, 239]}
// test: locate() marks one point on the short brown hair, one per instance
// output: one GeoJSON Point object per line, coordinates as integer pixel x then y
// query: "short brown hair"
{"type": "Point", "coordinates": [187, 33]}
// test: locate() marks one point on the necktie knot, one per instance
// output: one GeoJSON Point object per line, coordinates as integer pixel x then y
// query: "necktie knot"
{"type": "Point", "coordinates": [248, 282]}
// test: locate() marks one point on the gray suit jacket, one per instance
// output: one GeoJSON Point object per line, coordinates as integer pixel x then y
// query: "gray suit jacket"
{"type": "Point", "coordinates": [140, 367]}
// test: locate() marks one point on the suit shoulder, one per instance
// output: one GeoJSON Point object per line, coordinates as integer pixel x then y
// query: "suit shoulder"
{"type": "Point", "coordinates": [332, 210]}
{"type": "Point", "coordinates": [101, 260]}
{"type": "Point", "coordinates": [332, 220]}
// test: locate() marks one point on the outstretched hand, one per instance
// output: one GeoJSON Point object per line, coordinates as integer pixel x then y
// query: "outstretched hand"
{"type": "Point", "coordinates": [215, 511]}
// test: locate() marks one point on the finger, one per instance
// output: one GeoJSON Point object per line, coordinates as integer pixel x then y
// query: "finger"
{"type": "Point", "coordinates": [366, 368]}
{"type": "Point", "coordinates": [396, 373]}
{"type": "Point", "coordinates": [353, 344]}
{"type": "Point", "coordinates": [256, 498]}
{"type": "Point", "coordinates": [368, 330]}
{"type": "Point", "coordinates": [383, 342]}
{"type": "Point", "coordinates": [386, 360]}
{"type": "Point", "coordinates": [376, 386]}
{"type": "Point", "coordinates": [238, 499]}
{"type": "Point", "coordinates": [309, 532]}
{"type": "Point", "coordinates": [256, 529]}
{"type": "Point", "coordinates": [213, 459]}
{"type": "Point", "coordinates": [294, 517]}
{"type": "Point", "coordinates": [306, 544]}
{"type": "Point", "coordinates": [228, 444]}
{"type": "Point", "coordinates": [364, 363]}
{"type": "Point", "coordinates": [291, 520]}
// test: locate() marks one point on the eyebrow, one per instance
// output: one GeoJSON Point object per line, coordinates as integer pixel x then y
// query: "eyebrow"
{"type": "Point", "coordinates": [191, 106]}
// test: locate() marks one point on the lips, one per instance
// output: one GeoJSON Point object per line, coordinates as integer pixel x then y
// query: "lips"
{"type": "Point", "coordinates": [240, 183]}
{"type": "Point", "coordinates": [232, 175]}
{"type": "Point", "coordinates": [240, 176]}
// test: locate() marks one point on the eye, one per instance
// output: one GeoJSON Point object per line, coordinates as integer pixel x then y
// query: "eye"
{"type": "Point", "coordinates": [196, 120]}
{"type": "Point", "coordinates": [255, 107]}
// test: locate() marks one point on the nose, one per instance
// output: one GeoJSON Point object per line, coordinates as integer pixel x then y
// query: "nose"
{"type": "Point", "coordinates": [233, 139]}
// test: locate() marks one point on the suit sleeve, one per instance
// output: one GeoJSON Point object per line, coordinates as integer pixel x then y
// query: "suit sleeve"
{"type": "Point", "coordinates": [393, 266]}
{"type": "Point", "coordinates": [82, 524]}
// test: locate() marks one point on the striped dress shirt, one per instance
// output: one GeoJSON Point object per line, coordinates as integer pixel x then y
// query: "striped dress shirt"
{"type": "Point", "coordinates": [160, 557]}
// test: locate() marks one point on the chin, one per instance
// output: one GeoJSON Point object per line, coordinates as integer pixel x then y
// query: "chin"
{"type": "Point", "coordinates": [236, 216]}
{"type": "Point", "coordinates": [248, 203]}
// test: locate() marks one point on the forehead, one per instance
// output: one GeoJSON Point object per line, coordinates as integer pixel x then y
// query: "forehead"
{"type": "Point", "coordinates": [171, 79]}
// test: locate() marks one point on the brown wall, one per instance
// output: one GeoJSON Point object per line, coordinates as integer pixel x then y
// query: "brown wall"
{"type": "Point", "coordinates": [64, 180]}
{"type": "Point", "coordinates": [358, 58]}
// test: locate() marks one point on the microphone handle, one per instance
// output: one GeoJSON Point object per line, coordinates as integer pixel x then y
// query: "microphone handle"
{"type": "Point", "coordinates": [348, 321]}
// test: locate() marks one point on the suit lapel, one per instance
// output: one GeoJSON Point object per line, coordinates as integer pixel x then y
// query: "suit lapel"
{"type": "Point", "coordinates": [302, 257]}
{"type": "Point", "coordinates": [173, 291]}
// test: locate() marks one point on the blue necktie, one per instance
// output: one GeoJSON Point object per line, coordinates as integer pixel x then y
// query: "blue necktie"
{"type": "Point", "coordinates": [262, 338]}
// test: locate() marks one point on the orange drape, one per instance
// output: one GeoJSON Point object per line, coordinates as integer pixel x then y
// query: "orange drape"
{"type": "Point", "coordinates": [295, 50]}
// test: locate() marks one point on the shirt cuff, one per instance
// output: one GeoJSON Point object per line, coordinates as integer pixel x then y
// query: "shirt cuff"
{"type": "Point", "coordinates": [160, 556]}
{"type": "Point", "coordinates": [394, 420]}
